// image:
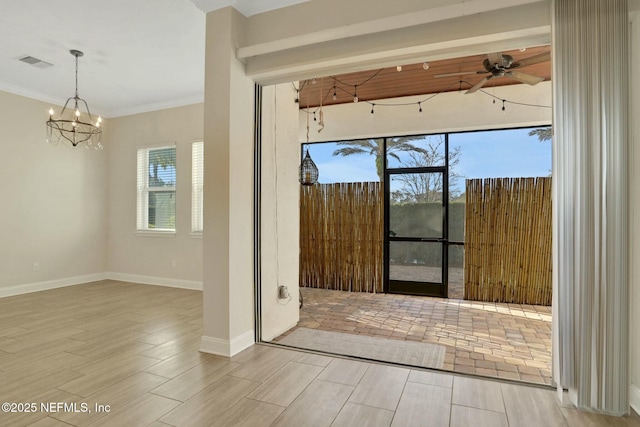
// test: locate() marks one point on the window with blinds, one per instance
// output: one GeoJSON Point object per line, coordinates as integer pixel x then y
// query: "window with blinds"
{"type": "Point", "coordinates": [197, 186]}
{"type": "Point", "coordinates": [156, 207]}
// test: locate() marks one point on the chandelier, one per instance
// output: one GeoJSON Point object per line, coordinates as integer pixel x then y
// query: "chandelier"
{"type": "Point", "coordinates": [73, 127]}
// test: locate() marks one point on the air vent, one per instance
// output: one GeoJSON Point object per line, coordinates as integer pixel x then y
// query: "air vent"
{"type": "Point", "coordinates": [35, 62]}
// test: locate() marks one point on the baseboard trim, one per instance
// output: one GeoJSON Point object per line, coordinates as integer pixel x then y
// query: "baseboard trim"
{"type": "Point", "coordinates": [243, 341]}
{"type": "Point", "coordinates": [155, 281]}
{"type": "Point", "coordinates": [28, 288]}
{"type": "Point", "coordinates": [634, 398]}
{"type": "Point", "coordinates": [215, 346]}
{"type": "Point", "coordinates": [226, 348]}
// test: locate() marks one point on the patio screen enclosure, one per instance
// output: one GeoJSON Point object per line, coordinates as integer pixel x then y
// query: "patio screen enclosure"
{"type": "Point", "coordinates": [406, 234]}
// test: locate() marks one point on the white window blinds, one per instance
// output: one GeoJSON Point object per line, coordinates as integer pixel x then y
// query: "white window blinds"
{"type": "Point", "coordinates": [197, 186]}
{"type": "Point", "coordinates": [156, 185]}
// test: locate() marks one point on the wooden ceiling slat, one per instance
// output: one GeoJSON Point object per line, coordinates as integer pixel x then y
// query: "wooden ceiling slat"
{"type": "Point", "coordinates": [413, 80]}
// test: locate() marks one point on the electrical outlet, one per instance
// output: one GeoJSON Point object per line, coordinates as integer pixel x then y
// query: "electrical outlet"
{"type": "Point", "coordinates": [283, 292]}
{"type": "Point", "coordinates": [173, 263]}
{"type": "Point", "coordinates": [36, 266]}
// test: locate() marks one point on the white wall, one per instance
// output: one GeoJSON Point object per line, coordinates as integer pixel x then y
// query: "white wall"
{"type": "Point", "coordinates": [54, 203]}
{"type": "Point", "coordinates": [280, 222]}
{"type": "Point", "coordinates": [451, 111]}
{"type": "Point", "coordinates": [634, 203]}
{"type": "Point", "coordinates": [175, 260]}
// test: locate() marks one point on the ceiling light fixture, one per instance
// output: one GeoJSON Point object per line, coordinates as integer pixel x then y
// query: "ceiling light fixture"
{"type": "Point", "coordinates": [308, 171]}
{"type": "Point", "coordinates": [75, 127]}
{"type": "Point", "coordinates": [399, 68]}
{"type": "Point", "coordinates": [425, 65]}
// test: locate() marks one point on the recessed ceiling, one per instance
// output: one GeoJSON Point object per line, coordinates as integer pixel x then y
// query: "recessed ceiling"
{"type": "Point", "coordinates": [413, 79]}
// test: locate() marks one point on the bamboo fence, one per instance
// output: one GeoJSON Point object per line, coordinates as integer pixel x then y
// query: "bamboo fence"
{"type": "Point", "coordinates": [341, 236]}
{"type": "Point", "coordinates": [508, 240]}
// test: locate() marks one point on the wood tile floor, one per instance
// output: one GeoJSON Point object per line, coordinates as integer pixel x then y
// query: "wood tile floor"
{"type": "Point", "coordinates": [135, 348]}
{"type": "Point", "coordinates": [510, 341]}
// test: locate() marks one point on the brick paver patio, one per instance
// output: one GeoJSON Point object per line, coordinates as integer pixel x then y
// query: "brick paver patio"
{"type": "Point", "coordinates": [491, 339]}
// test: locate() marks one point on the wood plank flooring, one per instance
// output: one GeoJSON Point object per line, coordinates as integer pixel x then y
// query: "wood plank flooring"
{"type": "Point", "coordinates": [134, 350]}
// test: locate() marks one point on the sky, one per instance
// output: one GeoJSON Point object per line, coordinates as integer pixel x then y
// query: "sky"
{"type": "Point", "coordinates": [484, 154]}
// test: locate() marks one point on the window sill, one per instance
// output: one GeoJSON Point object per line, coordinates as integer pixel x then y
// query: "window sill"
{"type": "Point", "coordinates": [196, 234]}
{"type": "Point", "coordinates": [156, 233]}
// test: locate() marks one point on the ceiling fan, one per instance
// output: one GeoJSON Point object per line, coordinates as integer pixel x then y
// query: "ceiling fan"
{"type": "Point", "coordinates": [503, 65]}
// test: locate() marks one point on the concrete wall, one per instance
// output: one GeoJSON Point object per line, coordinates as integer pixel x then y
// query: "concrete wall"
{"type": "Point", "coordinates": [54, 204]}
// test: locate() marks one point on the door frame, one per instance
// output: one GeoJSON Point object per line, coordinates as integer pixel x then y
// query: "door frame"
{"type": "Point", "coordinates": [410, 287]}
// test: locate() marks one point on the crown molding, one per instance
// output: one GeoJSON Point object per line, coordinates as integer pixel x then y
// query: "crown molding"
{"type": "Point", "coordinates": [154, 106]}
{"type": "Point", "coordinates": [245, 7]}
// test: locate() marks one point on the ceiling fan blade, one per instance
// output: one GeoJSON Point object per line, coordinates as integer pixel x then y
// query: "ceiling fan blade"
{"type": "Point", "coordinates": [461, 73]}
{"type": "Point", "coordinates": [495, 58]}
{"type": "Point", "coordinates": [524, 77]}
{"type": "Point", "coordinates": [478, 85]}
{"type": "Point", "coordinates": [536, 59]}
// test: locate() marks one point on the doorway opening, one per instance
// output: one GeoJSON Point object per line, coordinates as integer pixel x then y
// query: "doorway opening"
{"type": "Point", "coordinates": [416, 207]}
{"type": "Point", "coordinates": [499, 338]}
{"type": "Point", "coordinates": [481, 337]}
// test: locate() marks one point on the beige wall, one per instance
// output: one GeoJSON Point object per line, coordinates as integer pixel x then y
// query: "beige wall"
{"type": "Point", "coordinates": [54, 204]}
{"type": "Point", "coordinates": [73, 211]}
{"type": "Point", "coordinates": [175, 260]}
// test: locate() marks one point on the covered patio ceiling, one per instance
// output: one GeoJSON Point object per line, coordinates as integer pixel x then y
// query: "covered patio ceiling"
{"type": "Point", "coordinates": [413, 79]}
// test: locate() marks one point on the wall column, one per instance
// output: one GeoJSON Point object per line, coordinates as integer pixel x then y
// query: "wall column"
{"type": "Point", "coordinates": [228, 294]}
{"type": "Point", "coordinates": [591, 286]}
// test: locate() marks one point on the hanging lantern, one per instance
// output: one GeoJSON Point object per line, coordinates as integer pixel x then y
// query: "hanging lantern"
{"type": "Point", "coordinates": [308, 172]}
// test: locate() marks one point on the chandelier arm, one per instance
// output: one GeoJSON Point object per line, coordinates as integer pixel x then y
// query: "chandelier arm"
{"type": "Point", "coordinates": [86, 106]}
{"type": "Point", "coordinates": [65, 106]}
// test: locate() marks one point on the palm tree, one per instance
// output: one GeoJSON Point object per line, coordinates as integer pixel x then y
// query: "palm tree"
{"type": "Point", "coordinates": [161, 158]}
{"type": "Point", "coordinates": [543, 134]}
{"type": "Point", "coordinates": [375, 147]}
